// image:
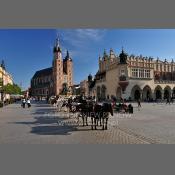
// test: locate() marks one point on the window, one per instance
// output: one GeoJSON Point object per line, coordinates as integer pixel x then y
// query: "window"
{"type": "Point", "coordinates": [161, 67]}
{"type": "Point", "coordinates": [147, 73]}
{"type": "Point", "coordinates": [135, 73]}
{"type": "Point", "coordinates": [140, 73]}
{"type": "Point", "coordinates": [164, 68]}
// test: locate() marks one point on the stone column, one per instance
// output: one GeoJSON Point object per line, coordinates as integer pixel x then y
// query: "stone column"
{"type": "Point", "coordinates": [141, 95]}
{"type": "Point", "coordinates": [162, 91]}
{"type": "Point", "coordinates": [171, 93]}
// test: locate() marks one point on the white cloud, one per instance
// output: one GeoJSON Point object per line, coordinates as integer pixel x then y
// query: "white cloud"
{"type": "Point", "coordinates": [80, 37]}
{"type": "Point", "coordinates": [92, 34]}
{"type": "Point", "coordinates": [78, 41]}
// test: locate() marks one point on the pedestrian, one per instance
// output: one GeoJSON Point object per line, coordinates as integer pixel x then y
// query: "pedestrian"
{"type": "Point", "coordinates": [172, 100]}
{"type": "Point", "coordinates": [28, 103]}
{"type": "Point", "coordinates": [139, 104]}
{"type": "Point", "coordinates": [95, 99]}
{"type": "Point", "coordinates": [70, 104]}
{"type": "Point", "coordinates": [130, 109]}
{"type": "Point", "coordinates": [168, 101]}
{"type": "Point", "coordinates": [23, 102]}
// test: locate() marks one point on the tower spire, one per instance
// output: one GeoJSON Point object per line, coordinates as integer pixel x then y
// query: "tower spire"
{"type": "Point", "coordinates": [67, 54]}
{"type": "Point", "coordinates": [3, 64]}
{"type": "Point", "coordinates": [123, 57]}
{"type": "Point", "coordinates": [57, 45]}
{"type": "Point", "coordinates": [122, 49]}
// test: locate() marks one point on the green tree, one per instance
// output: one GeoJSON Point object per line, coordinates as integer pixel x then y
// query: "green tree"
{"type": "Point", "coordinates": [1, 82]}
{"type": "Point", "coordinates": [12, 89]}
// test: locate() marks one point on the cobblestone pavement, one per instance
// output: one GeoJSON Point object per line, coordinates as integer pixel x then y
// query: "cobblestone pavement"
{"type": "Point", "coordinates": [42, 124]}
{"type": "Point", "coordinates": [155, 122]}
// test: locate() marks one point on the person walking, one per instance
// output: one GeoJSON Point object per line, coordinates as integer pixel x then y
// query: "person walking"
{"type": "Point", "coordinates": [139, 104]}
{"type": "Point", "coordinates": [23, 103]}
{"type": "Point", "coordinates": [172, 100]}
{"type": "Point", "coordinates": [168, 101]}
{"type": "Point", "coordinates": [130, 108]}
{"type": "Point", "coordinates": [28, 103]}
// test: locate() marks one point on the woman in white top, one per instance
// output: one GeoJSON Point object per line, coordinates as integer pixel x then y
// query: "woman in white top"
{"type": "Point", "coordinates": [23, 102]}
{"type": "Point", "coordinates": [28, 103]}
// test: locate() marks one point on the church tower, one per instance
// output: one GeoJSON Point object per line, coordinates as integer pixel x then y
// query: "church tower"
{"type": "Point", "coordinates": [68, 65]}
{"type": "Point", "coordinates": [57, 68]}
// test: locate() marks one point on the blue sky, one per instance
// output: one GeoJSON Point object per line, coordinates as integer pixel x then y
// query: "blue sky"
{"type": "Point", "coordinates": [28, 50]}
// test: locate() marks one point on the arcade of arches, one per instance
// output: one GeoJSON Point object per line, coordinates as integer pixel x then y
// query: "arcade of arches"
{"type": "Point", "coordinates": [145, 93]}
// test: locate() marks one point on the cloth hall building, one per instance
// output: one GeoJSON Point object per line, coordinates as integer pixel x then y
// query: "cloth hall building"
{"type": "Point", "coordinates": [134, 77]}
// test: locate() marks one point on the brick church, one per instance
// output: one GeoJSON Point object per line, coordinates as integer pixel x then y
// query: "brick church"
{"type": "Point", "coordinates": [54, 80]}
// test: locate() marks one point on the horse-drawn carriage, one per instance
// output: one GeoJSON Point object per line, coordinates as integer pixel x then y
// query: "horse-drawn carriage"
{"type": "Point", "coordinates": [87, 108]}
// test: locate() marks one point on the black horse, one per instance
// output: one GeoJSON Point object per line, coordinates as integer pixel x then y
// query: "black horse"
{"type": "Point", "coordinates": [101, 113]}
{"type": "Point", "coordinates": [86, 110]}
{"type": "Point", "coordinates": [96, 112]}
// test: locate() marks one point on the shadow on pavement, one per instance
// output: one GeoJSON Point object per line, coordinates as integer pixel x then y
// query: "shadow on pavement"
{"type": "Point", "coordinates": [53, 130]}
{"type": "Point", "coordinates": [48, 122]}
{"type": "Point", "coordinates": [49, 126]}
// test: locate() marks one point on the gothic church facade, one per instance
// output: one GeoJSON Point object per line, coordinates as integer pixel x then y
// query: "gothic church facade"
{"type": "Point", "coordinates": [52, 81]}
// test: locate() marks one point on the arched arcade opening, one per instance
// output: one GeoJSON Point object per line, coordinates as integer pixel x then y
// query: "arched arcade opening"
{"type": "Point", "coordinates": [136, 93]}
{"type": "Point", "coordinates": [173, 94]}
{"type": "Point", "coordinates": [158, 92]}
{"type": "Point", "coordinates": [98, 92]}
{"type": "Point", "coordinates": [167, 92]}
{"type": "Point", "coordinates": [103, 92]}
{"type": "Point", "coordinates": [147, 93]}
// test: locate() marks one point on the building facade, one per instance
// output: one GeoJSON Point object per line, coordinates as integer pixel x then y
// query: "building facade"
{"type": "Point", "coordinates": [53, 80]}
{"type": "Point", "coordinates": [84, 88]}
{"type": "Point", "coordinates": [134, 77]}
{"type": "Point", "coordinates": [87, 86]}
{"type": "Point", "coordinates": [5, 78]}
